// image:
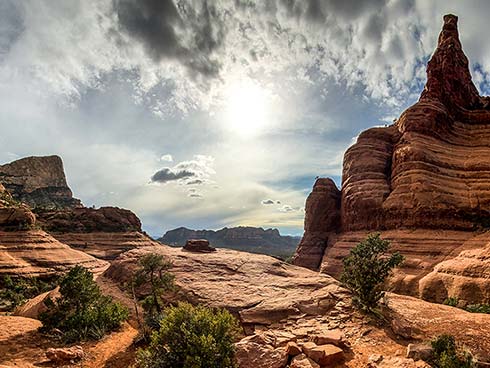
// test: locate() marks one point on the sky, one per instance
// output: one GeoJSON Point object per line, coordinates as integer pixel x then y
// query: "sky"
{"type": "Point", "coordinates": [219, 113]}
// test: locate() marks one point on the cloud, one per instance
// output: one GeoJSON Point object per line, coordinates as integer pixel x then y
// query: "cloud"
{"type": "Point", "coordinates": [188, 33]}
{"type": "Point", "coordinates": [167, 158]}
{"type": "Point", "coordinates": [195, 182]}
{"type": "Point", "coordinates": [288, 208]}
{"type": "Point", "coordinates": [188, 172]}
{"type": "Point", "coordinates": [267, 201]}
{"type": "Point", "coordinates": [167, 174]}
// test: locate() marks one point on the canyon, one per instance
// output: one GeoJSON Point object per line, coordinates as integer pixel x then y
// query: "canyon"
{"type": "Point", "coordinates": [423, 183]}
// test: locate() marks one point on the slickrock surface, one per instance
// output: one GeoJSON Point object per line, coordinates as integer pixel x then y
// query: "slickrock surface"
{"type": "Point", "coordinates": [430, 170]}
{"type": "Point", "coordinates": [258, 287]}
{"type": "Point", "coordinates": [425, 321]}
{"type": "Point", "coordinates": [36, 253]}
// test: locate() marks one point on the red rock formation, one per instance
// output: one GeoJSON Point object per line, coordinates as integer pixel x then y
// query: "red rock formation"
{"type": "Point", "coordinates": [321, 220]}
{"type": "Point", "coordinates": [38, 182]}
{"type": "Point", "coordinates": [89, 220]}
{"type": "Point", "coordinates": [465, 277]}
{"type": "Point", "coordinates": [430, 170]}
{"type": "Point", "coordinates": [35, 253]}
{"type": "Point", "coordinates": [14, 215]}
{"type": "Point", "coordinates": [41, 183]}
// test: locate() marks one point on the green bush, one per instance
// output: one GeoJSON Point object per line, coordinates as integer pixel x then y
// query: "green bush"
{"type": "Point", "coordinates": [447, 354]}
{"type": "Point", "coordinates": [451, 301]}
{"type": "Point", "coordinates": [478, 308]}
{"type": "Point", "coordinates": [366, 269]}
{"type": "Point", "coordinates": [15, 291]}
{"type": "Point", "coordinates": [192, 337]}
{"type": "Point", "coordinates": [82, 312]}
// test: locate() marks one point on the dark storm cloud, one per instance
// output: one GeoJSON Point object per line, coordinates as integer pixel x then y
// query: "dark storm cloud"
{"type": "Point", "coordinates": [195, 182]}
{"type": "Point", "coordinates": [11, 25]}
{"type": "Point", "coordinates": [267, 201]}
{"type": "Point", "coordinates": [182, 32]}
{"type": "Point", "coordinates": [167, 174]}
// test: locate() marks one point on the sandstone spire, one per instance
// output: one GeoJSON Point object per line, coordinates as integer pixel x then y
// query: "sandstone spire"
{"type": "Point", "coordinates": [448, 74]}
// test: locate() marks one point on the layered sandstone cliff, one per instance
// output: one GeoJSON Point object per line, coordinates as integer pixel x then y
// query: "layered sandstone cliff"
{"type": "Point", "coordinates": [28, 252]}
{"type": "Point", "coordinates": [40, 182]}
{"type": "Point", "coordinates": [424, 182]}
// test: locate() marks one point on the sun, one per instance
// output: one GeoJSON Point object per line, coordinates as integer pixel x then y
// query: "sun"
{"type": "Point", "coordinates": [247, 108]}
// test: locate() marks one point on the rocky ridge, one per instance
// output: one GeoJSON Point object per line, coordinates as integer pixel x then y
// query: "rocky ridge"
{"type": "Point", "coordinates": [429, 171]}
{"type": "Point", "coordinates": [25, 251]}
{"type": "Point", "coordinates": [246, 238]}
{"type": "Point", "coordinates": [40, 183]}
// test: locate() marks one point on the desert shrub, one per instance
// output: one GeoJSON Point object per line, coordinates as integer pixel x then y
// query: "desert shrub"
{"type": "Point", "coordinates": [15, 291]}
{"type": "Point", "coordinates": [366, 269]}
{"type": "Point", "coordinates": [153, 270]}
{"type": "Point", "coordinates": [192, 337]}
{"type": "Point", "coordinates": [451, 301]}
{"type": "Point", "coordinates": [478, 308]}
{"type": "Point", "coordinates": [82, 312]}
{"type": "Point", "coordinates": [447, 354]}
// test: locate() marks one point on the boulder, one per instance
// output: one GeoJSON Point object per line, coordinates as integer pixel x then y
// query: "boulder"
{"type": "Point", "coordinates": [334, 337]}
{"type": "Point", "coordinates": [198, 245]}
{"type": "Point", "coordinates": [325, 355]}
{"type": "Point", "coordinates": [293, 349]}
{"type": "Point", "coordinates": [302, 361]}
{"type": "Point", "coordinates": [253, 355]}
{"type": "Point", "coordinates": [65, 355]}
{"type": "Point", "coordinates": [420, 351]}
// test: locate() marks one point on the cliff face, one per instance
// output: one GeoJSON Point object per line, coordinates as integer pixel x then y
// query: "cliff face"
{"type": "Point", "coordinates": [251, 239]}
{"type": "Point", "coordinates": [40, 183]}
{"type": "Point", "coordinates": [430, 170]}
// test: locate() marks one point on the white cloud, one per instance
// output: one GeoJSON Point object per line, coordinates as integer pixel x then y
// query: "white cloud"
{"type": "Point", "coordinates": [167, 158]}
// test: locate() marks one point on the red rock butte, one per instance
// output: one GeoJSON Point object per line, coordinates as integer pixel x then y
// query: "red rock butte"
{"type": "Point", "coordinates": [423, 182]}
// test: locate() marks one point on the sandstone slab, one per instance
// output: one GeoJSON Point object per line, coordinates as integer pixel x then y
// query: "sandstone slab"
{"type": "Point", "coordinates": [260, 288]}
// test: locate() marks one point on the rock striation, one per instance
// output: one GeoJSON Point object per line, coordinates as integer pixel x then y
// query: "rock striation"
{"type": "Point", "coordinates": [25, 251]}
{"type": "Point", "coordinates": [36, 253]}
{"type": "Point", "coordinates": [40, 183]}
{"type": "Point", "coordinates": [430, 170]}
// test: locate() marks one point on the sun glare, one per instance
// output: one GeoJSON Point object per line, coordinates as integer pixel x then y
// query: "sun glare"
{"type": "Point", "coordinates": [246, 108]}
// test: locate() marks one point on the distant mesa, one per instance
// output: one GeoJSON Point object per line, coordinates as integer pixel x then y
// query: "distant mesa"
{"type": "Point", "coordinates": [423, 182]}
{"type": "Point", "coordinates": [245, 238]}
